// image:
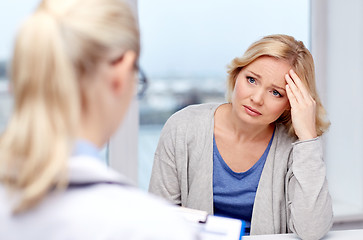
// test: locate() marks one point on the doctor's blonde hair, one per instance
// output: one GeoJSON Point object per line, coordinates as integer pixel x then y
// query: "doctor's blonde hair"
{"type": "Point", "coordinates": [286, 48]}
{"type": "Point", "coordinates": [56, 52]}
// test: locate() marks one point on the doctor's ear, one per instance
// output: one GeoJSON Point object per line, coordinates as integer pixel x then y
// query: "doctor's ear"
{"type": "Point", "coordinates": [123, 70]}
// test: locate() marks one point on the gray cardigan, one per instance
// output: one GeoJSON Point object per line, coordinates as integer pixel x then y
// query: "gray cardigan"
{"type": "Point", "coordinates": [292, 195]}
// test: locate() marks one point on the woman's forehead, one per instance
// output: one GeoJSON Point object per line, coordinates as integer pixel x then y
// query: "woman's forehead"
{"type": "Point", "coordinates": [268, 68]}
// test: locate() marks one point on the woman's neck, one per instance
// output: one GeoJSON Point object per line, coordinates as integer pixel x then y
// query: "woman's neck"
{"type": "Point", "coordinates": [92, 128]}
{"type": "Point", "coordinates": [225, 120]}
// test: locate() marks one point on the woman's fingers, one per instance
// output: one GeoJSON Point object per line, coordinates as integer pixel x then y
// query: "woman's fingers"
{"type": "Point", "coordinates": [294, 89]}
{"type": "Point", "coordinates": [299, 84]}
{"type": "Point", "coordinates": [302, 107]}
{"type": "Point", "coordinates": [291, 97]}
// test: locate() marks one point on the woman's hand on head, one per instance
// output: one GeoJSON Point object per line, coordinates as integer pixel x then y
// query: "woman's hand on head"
{"type": "Point", "coordinates": [303, 107]}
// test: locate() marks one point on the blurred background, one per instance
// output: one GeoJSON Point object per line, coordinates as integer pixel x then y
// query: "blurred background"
{"type": "Point", "coordinates": [186, 46]}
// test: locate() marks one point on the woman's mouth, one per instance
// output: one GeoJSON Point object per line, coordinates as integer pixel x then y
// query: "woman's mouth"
{"type": "Point", "coordinates": [251, 111]}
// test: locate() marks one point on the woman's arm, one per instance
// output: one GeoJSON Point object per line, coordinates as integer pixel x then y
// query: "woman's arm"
{"type": "Point", "coordinates": [164, 177]}
{"type": "Point", "coordinates": [310, 212]}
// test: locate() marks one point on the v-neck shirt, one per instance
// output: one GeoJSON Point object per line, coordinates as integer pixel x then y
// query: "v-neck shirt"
{"type": "Point", "coordinates": [234, 192]}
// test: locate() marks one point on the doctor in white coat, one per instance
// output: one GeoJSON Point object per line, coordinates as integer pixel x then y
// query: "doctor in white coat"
{"type": "Point", "coordinates": [73, 76]}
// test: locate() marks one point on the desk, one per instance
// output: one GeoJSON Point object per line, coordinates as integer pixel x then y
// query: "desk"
{"type": "Point", "coordinates": [219, 228]}
{"type": "Point", "coordinates": [356, 234]}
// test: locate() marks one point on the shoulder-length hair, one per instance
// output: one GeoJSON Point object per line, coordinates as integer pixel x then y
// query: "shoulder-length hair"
{"type": "Point", "coordinates": [298, 56]}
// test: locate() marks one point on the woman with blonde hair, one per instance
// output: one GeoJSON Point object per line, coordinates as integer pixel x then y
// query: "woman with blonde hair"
{"type": "Point", "coordinates": [259, 156]}
{"type": "Point", "coordinates": [73, 76]}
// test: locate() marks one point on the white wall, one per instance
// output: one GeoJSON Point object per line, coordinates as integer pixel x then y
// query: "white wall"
{"type": "Point", "coordinates": [337, 45]}
{"type": "Point", "coordinates": [122, 147]}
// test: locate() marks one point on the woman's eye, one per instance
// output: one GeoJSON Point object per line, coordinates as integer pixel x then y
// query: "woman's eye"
{"type": "Point", "coordinates": [276, 93]}
{"type": "Point", "coordinates": [251, 80]}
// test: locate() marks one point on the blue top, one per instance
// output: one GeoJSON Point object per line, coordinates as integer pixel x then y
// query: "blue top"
{"type": "Point", "coordinates": [234, 193]}
{"type": "Point", "coordinates": [84, 147]}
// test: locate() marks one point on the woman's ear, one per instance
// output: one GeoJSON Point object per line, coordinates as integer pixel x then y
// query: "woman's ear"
{"type": "Point", "coordinates": [123, 72]}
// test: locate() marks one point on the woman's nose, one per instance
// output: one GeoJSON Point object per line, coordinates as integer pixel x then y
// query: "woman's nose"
{"type": "Point", "coordinates": [257, 97]}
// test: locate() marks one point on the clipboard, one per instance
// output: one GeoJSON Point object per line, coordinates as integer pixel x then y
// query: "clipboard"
{"type": "Point", "coordinates": [212, 227]}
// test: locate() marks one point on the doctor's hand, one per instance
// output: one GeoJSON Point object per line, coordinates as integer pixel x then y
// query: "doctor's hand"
{"type": "Point", "coordinates": [303, 107]}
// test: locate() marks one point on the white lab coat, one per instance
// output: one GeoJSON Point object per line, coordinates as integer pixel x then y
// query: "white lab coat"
{"type": "Point", "coordinates": [104, 208]}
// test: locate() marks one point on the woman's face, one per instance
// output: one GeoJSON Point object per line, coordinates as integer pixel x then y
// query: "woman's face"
{"type": "Point", "coordinates": [259, 95]}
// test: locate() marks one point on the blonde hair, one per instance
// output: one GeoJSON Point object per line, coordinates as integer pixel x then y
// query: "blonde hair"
{"type": "Point", "coordinates": [56, 52]}
{"type": "Point", "coordinates": [286, 48]}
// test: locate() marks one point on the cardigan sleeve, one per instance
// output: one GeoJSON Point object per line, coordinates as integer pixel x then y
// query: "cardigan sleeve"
{"type": "Point", "coordinates": [309, 204]}
{"type": "Point", "coordinates": [164, 177]}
